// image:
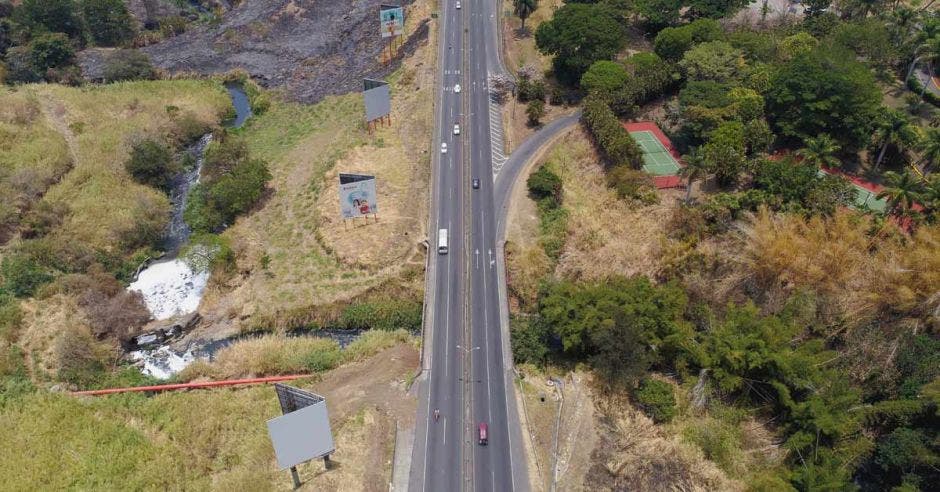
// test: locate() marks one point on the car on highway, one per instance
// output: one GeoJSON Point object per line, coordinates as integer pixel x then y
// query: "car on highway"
{"type": "Point", "coordinates": [476, 183]}
{"type": "Point", "coordinates": [456, 129]}
{"type": "Point", "coordinates": [443, 147]}
{"type": "Point", "coordinates": [483, 434]}
{"type": "Point", "coordinates": [457, 88]}
{"type": "Point", "coordinates": [458, 5]}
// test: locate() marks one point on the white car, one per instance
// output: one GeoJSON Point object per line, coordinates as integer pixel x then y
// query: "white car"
{"type": "Point", "coordinates": [458, 5]}
{"type": "Point", "coordinates": [456, 129]}
{"type": "Point", "coordinates": [457, 88]}
{"type": "Point", "coordinates": [443, 148]}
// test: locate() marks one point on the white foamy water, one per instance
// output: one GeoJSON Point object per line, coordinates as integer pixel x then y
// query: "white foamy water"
{"type": "Point", "coordinates": [162, 363]}
{"type": "Point", "coordinates": [170, 288]}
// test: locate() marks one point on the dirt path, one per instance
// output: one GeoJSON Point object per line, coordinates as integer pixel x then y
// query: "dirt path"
{"type": "Point", "coordinates": [55, 111]}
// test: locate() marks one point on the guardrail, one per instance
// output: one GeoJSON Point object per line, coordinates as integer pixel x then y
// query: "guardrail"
{"type": "Point", "coordinates": [197, 385]}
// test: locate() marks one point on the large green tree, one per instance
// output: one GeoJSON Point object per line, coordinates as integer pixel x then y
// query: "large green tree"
{"type": "Point", "coordinates": [696, 168]}
{"type": "Point", "coordinates": [523, 9]}
{"type": "Point", "coordinates": [604, 77]}
{"type": "Point", "coordinates": [716, 9]}
{"type": "Point", "coordinates": [901, 190]}
{"type": "Point", "coordinates": [930, 148]}
{"type": "Point", "coordinates": [715, 60]}
{"type": "Point", "coordinates": [659, 13]}
{"type": "Point", "coordinates": [825, 91]}
{"type": "Point", "coordinates": [894, 128]}
{"type": "Point", "coordinates": [725, 153]}
{"type": "Point", "coordinates": [109, 22]}
{"type": "Point", "coordinates": [51, 15]}
{"type": "Point", "coordinates": [579, 35]}
{"type": "Point", "coordinates": [820, 151]}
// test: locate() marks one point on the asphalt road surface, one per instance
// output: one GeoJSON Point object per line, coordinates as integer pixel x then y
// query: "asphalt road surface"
{"type": "Point", "coordinates": [467, 376]}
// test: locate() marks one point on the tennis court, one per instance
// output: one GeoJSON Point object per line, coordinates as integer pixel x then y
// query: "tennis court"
{"type": "Point", "coordinates": [865, 198]}
{"type": "Point", "coordinates": [656, 158]}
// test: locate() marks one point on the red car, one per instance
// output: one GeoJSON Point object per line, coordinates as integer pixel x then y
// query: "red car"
{"type": "Point", "coordinates": [483, 434]}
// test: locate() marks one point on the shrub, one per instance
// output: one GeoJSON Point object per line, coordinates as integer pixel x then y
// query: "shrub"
{"type": "Point", "coordinates": [534, 111]}
{"type": "Point", "coordinates": [22, 274]}
{"type": "Point", "coordinates": [671, 43]}
{"type": "Point", "coordinates": [188, 127]}
{"type": "Point", "coordinates": [614, 141]}
{"type": "Point", "coordinates": [382, 314]}
{"type": "Point", "coordinates": [109, 22]}
{"type": "Point", "coordinates": [151, 163]}
{"type": "Point", "coordinates": [52, 50]}
{"type": "Point", "coordinates": [604, 77]}
{"type": "Point", "coordinates": [322, 360]}
{"type": "Point", "coordinates": [42, 218]}
{"type": "Point", "coordinates": [544, 183]}
{"type": "Point", "coordinates": [110, 309]}
{"type": "Point", "coordinates": [58, 16]}
{"type": "Point", "coordinates": [632, 184]}
{"type": "Point", "coordinates": [656, 399]}
{"type": "Point", "coordinates": [10, 317]}
{"type": "Point", "coordinates": [529, 339]}
{"type": "Point", "coordinates": [81, 360]}
{"type": "Point", "coordinates": [232, 183]}
{"type": "Point", "coordinates": [129, 65]}
{"type": "Point", "coordinates": [719, 442]}
{"type": "Point", "coordinates": [19, 66]}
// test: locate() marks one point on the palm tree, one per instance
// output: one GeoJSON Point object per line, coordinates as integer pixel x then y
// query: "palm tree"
{"type": "Point", "coordinates": [895, 128]}
{"type": "Point", "coordinates": [696, 168]}
{"type": "Point", "coordinates": [930, 148]}
{"type": "Point", "coordinates": [931, 194]}
{"type": "Point", "coordinates": [928, 51]}
{"type": "Point", "coordinates": [901, 191]}
{"type": "Point", "coordinates": [524, 8]}
{"type": "Point", "coordinates": [820, 151]}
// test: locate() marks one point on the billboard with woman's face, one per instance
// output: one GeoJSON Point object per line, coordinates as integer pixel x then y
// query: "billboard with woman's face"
{"type": "Point", "coordinates": [357, 196]}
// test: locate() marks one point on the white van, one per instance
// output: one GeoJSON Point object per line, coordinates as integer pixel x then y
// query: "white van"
{"type": "Point", "coordinates": [442, 242]}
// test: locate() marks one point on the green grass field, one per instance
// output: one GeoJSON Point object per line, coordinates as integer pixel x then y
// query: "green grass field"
{"type": "Point", "coordinates": [196, 440]}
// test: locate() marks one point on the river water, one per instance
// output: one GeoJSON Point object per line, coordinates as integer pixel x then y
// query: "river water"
{"type": "Point", "coordinates": [170, 287]}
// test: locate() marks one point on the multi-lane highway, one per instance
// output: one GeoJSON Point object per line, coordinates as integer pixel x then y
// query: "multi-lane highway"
{"type": "Point", "coordinates": [467, 378]}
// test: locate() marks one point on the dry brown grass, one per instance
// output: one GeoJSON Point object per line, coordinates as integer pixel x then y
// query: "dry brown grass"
{"type": "Point", "coordinates": [606, 236]}
{"type": "Point", "coordinates": [44, 323]}
{"type": "Point", "coordinates": [519, 50]}
{"type": "Point", "coordinates": [278, 354]}
{"type": "Point", "coordinates": [635, 454]}
{"type": "Point", "coordinates": [858, 276]}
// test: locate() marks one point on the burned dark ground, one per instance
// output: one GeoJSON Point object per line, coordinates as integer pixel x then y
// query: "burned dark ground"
{"type": "Point", "coordinates": [307, 48]}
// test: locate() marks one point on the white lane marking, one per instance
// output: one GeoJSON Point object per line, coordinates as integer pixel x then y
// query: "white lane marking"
{"type": "Point", "coordinates": [486, 338]}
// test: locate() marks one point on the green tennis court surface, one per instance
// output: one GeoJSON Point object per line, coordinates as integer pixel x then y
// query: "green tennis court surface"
{"type": "Point", "coordinates": [656, 159]}
{"type": "Point", "coordinates": [865, 198]}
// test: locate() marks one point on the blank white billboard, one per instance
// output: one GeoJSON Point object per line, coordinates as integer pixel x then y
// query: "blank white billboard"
{"type": "Point", "coordinates": [378, 98]}
{"type": "Point", "coordinates": [301, 436]}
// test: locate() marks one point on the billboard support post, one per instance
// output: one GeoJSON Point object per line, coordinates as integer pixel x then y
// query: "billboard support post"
{"type": "Point", "coordinates": [303, 432]}
{"type": "Point", "coordinates": [295, 476]}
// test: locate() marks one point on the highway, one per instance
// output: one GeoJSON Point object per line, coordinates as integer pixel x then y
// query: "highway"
{"type": "Point", "coordinates": [467, 366]}
{"type": "Point", "coordinates": [438, 451]}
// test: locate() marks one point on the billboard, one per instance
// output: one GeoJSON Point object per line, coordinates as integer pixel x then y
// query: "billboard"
{"type": "Point", "coordinates": [391, 20]}
{"type": "Point", "coordinates": [301, 435]}
{"type": "Point", "coordinates": [357, 196]}
{"type": "Point", "coordinates": [378, 98]}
